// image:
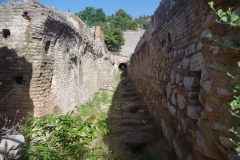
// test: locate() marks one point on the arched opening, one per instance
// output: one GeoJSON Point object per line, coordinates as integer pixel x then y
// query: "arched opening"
{"type": "Point", "coordinates": [122, 66]}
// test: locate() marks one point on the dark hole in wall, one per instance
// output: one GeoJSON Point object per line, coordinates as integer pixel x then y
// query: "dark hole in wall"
{"type": "Point", "coordinates": [163, 44]}
{"type": "Point", "coordinates": [25, 14]}
{"type": "Point", "coordinates": [122, 66]}
{"type": "Point", "coordinates": [169, 38]}
{"type": "Point", "coordinates": [67, 50]}
{"type": "Point", "coordinates": [47, 46]}
{"type": "Point", "coordinates": [19, 80]}
{"type": "Point", "coordinates": [6, 33]}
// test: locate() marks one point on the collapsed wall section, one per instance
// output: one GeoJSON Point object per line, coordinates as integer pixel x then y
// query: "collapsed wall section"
{"type": "Point", "coordinates": [174, 68]}
{"type": "Point", "coordinates": [49, 60]}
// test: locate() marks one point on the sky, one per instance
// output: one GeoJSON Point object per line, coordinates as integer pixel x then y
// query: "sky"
{"type": "Point", "coordinates": [132, 7]}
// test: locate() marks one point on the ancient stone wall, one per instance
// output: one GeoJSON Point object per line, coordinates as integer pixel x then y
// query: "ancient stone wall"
{"type": "Point", "coordinates": [48, 60]}
{"type": "Point", "coordinates": [131, 40]}
{"type": "Point", "coordinates": [99, 36]}
{"type": "Point", "coordinates": [174, 69]}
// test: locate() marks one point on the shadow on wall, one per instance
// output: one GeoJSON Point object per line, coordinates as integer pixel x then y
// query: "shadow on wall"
{"type": "Point", "coordinates": [15, 78]}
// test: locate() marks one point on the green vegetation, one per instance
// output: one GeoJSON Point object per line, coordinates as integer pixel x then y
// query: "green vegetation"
{"type": "Point", "coordinates": [113, 25]}
{"type": "Point", "coordinates": [92, 16]}
{"type": "Point", "coordinates": [231, 18]}
{"type": "Point", "coordinates": [114, 39]}
{"type": "Point", "coordinates": [142, 21]}
{"type": "Point", "coordinates": [77, 135]}
{"type": "Point", "coordinates": [72, 136]}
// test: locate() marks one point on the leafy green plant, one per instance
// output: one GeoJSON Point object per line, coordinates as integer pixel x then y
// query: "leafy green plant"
{"type": "Point", "coordinates": [73, 136]}
{"type": "Point", "coordinates": [114, 39]}
{"type": "Point", "coordinates": [226, 17]}
{"type": "Point", "coordinates": [61, 136]}
{"type": "Point", "coordinates": [231, 18]}
{"type": "Point", "coordinates": [113, 25]}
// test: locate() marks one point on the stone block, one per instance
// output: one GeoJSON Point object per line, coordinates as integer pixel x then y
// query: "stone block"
{"type": "Point", "coordinates": [199, 46]}
{"type": "Point", "coordinates": [223, 92]}
{"type": "Point", "coordinates": [208, 107]}
{"type": "Point", "coordinates": [211, 20]}
{"type": "Point", "coordinates": [194, 112]}
{"type": "Point", "coordinates": [190, 83]}
{"type": "Point", "coordinates": [12, 146]}
{"type": "Point", "coordinates": [173, 77]}
{"type": "Point", "coordinates": [184, 126]}
{"type": "Point", "coordinates": [165, 131]}
{"type": "Point", "coordinates": [219, 127]}
{"type": "Point", "coordinates": [205, 36]}
{"type": "Point", "coordinates": [226, 142]}
{"type": "Point", "coordinates": [207, 87]}
{"type": "Point", "coordinates": [185, 63]}
{"type": "Point", "coordinates": [191, 49]}
{"type": "Point", "coordinates": [169, 90]}
{"type": "Point", "coordinates": [182, 102]}
{"type": "Point", "coordinates": [173, 110]}
{"type": "Point", "coordinates": [232, 156]}
{"type": "Point", "coordinates": [203, 147]}
{"type": "Point", "coordinates": [178, 78]}
{"type": "Point", "coordinates": [177, 149]}
{"type": "Point", "coordinates": [215, 50]}
{"type": "Point", "coordinates": [173, 99]}
{"type": "Point", "coordinates": [196, 62]}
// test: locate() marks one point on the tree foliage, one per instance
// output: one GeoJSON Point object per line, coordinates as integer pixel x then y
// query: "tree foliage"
{"type": "Point", "coordinates": [114, 39]}
{"type": "Point", "coordinates": [92, 15]}
{"type": "Point", "coordinates": [142, 21]}
{"type": "Point", "coordinates": [112, 25]}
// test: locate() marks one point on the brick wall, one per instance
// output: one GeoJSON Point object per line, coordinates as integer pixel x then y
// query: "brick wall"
{"type": "Point", "coordinates": [50, 60]}
{"type": "Point", "coordinates": [173, 69]}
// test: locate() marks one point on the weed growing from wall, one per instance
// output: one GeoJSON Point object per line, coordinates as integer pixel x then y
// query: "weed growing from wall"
{"type": "Point", "coordinates": [231, 18]}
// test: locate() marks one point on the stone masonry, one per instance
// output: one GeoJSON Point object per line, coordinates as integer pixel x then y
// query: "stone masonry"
{"type": "Point", "coordinates": [48, 60]}
{"type": "Point", "coordinates": [131, 40]}
{"type": "Point", "coordinates": [174, 69]}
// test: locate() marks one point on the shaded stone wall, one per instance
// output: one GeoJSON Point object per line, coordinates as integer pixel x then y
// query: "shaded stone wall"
{"type": "Point", "coordinates": [49, 61]}
{"type": "Point", "coordinates": [174, 69]}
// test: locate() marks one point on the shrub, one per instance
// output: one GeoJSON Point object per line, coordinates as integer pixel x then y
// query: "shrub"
{"type": "Point", "coordinates": [60, 136]}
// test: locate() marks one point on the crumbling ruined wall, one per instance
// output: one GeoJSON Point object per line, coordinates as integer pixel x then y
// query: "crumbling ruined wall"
{"type": "Point", "coordinates": [174, 69]}
{"type": "Point", "coordinates": [49, 60]}
{"type": "Point", "coordinates": [99, 36]}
